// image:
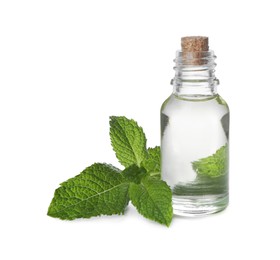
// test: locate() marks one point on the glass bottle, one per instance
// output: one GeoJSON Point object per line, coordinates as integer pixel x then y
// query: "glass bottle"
{"type": "Point", "coordinates": [195, 137]}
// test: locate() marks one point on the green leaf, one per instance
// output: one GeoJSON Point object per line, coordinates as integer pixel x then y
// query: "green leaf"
{"type": "Point", "coordinates": [152, 161]}
{"type": "Point", "coordinates": [98, 190]}
{"type": "Point", "coordinates": [133, 173]}
{"type": "Point", "coordinates": [153, 199]}
{"type": "Point", "coordinates": [215, 165]}
{"type": "Point", "coordinates": [128, 141]}
{"type": "Point", "coordinates": [212, 177]}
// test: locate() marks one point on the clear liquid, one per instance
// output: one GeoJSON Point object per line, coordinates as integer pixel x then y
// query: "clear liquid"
{"type": "Point", "coordinates": [192, 130]}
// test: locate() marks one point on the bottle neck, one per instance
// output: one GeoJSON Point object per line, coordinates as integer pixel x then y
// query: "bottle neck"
{"type": "Point", "coordinates": [195, 75]}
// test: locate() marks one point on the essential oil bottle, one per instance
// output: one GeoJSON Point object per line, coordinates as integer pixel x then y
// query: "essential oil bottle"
{"type": "Point", "coordinates": [195, 133]}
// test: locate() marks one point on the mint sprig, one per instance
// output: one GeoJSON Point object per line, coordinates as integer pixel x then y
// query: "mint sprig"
{"type": "Point", "coordinates": [102, 189]}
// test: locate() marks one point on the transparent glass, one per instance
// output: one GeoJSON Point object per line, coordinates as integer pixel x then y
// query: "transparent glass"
{"type": "Point", "coordinates": [195, 138]}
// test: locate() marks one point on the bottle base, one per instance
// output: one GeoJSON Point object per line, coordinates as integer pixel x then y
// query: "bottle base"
{"type": "Point", "coordinates": [194, 206]}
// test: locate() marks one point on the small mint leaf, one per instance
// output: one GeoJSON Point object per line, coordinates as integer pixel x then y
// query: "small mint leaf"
{"type": "Point", "coordinates": [98, 190]}
{"type": "Point", "coordinates": [128, 141]}
{"type": "Point", "coordinates": [153, 199]}
{"type": "Point", "coordinates": [214, 165]}
{"type": "Point", "coordinates": [152, 162]}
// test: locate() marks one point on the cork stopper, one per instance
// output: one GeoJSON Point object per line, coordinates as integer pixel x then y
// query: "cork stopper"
{"type": "Point", "coordinates": [193, 48]}
{"type": "Point", "coordinates": [194, 44]}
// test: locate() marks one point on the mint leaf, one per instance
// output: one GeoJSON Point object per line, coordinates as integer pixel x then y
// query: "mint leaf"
{"type": "Point", "coordinates": [128, 141]}
{"type": "Point", "coordinates": [152, 161]}
{"type": "Point", "coordinates": [212, 177]}
{"type": "Point", "coordinates": [215, 165]}
{"type": "Point", "coordinates": [98, 190]}
{"type": "Point", "coordinates": [153, 199]}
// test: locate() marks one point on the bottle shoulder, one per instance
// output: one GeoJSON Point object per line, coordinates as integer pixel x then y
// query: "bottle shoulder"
{"type": "Point", "coordinates": [165, 102]}
{"type": "Point", "coordinates": [208, 104]}
{"type": "Point", "coordinates": [221, 101]}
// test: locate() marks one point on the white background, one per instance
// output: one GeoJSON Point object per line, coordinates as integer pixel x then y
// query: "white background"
{"type": "Point", "coordinates": [66, 66]}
